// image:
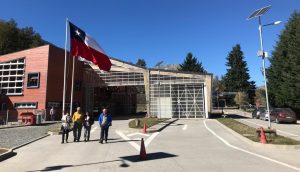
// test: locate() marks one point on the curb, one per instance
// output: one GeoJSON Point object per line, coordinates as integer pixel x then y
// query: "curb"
{"type": "Point", "coordinates": [17, 147]}
{"type": "Point", "coordinates": [7, 154]}
{"type": "Point", "coordinates": [17, 126]}
{"type": "Point", "coordinates": [28, 125]}
{"type": "Point", "coordinates": [256, 144]}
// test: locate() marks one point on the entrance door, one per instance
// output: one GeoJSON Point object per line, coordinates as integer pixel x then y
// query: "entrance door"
{"type": "Point", "coordinates": [165, 106]}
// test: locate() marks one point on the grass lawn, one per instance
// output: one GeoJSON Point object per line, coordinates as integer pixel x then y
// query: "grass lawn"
{"type": "Point", "coordinates": [250, 133]}
{"type": "Point", "coordinates": [149, 122]}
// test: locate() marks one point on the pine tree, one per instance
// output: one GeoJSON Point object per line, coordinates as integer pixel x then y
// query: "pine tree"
{"type": "Point", "coordinates": [191, 64]}
{"type": "Point", "coordinates": [251, 92]}
{"type": "Point", "coordinates": [237, 76]}
{"type": "Point", "coordinates": [284, 72]}
{"type": "Point", "coordinates": [217, 88]}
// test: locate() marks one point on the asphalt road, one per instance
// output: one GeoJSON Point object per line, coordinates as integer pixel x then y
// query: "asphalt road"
{"type": "Point", "coordinates": [186, 145]}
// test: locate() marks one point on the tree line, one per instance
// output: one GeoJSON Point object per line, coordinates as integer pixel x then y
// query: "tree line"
{"type": "Point", "coordinates": [14, 39]}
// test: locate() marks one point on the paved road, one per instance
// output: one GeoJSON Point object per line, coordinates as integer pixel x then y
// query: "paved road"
{"type": "Point", "coordinates": [186, 145]}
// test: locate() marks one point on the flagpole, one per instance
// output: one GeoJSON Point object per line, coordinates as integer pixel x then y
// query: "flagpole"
{"type": "Point", "coordinates": [64, 91]}
{"type": "Point", "coordinates": [72, 88]}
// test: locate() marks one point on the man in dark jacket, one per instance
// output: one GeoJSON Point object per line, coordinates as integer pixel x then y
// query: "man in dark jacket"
{"type": "Point", "coordinates": [104, 122]}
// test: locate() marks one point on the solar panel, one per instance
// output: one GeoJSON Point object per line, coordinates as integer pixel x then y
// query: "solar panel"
{"type": "Point", "coordinates": [253, 14]}
{"type": "Point", "coordinates": [259, 12]}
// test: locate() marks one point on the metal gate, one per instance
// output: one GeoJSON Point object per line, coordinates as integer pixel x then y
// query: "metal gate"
{"type": "Point", "coordinates": [189, 101]}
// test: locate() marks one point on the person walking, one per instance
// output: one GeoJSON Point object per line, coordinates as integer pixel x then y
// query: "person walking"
{"type": "Point", "coordinates": [87, 124]}
{"type": "Point", "coordinates": [52, 113]}
{"type": "Point", "coordinates": [65, 127]}
{"type": "Point", "coordinates": [105, 121]}
{"type": "Point", "coordinates": [77, 121]}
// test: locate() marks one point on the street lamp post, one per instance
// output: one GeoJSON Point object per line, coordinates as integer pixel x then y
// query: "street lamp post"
{"type": "Point", "coordinates": [263, 63]}
{"type": "Point", "coordinates": [258, 13]}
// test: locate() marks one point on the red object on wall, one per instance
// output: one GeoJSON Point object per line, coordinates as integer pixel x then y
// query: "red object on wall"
{"type": "Point", "coordinates": [28, 118]}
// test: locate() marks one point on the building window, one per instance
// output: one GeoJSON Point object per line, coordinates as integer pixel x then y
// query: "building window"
{"type": "Point", "coordinates": [12, 77]}
{"type": "Point", "coordinates": [33, 80]}
{"type": "Point", "coordinates": [26, 105]}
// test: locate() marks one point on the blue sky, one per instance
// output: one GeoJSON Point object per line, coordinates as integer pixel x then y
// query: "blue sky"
{"type": "Point", "coordinates": [160, 30]}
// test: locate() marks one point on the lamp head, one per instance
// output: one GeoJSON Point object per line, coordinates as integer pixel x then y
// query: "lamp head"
{"type": "Point", "coordinates": [277, 22]}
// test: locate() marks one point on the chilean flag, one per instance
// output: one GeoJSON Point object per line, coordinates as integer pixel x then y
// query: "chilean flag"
{"type": "Point", "coordinates": [84, 46]}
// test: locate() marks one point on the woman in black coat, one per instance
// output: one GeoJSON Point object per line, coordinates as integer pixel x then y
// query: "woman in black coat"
{"type": "Point", "coordinates": [87, 124]}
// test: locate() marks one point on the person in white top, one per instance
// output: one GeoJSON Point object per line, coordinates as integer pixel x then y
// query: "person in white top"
{"type": "Point", "coordinates": [52, 113]}
{"type": "Point", "coordinates": [65, 126]}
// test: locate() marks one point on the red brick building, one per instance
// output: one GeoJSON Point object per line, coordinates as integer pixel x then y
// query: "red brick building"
{"type": "Point", "coordinates": [32, 80]}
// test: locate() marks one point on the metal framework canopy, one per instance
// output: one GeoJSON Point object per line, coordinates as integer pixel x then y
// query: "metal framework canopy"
{"type": "Point", "coordinates": [168, 94]}
{"type": "Point", "coordinates": [259, 12]}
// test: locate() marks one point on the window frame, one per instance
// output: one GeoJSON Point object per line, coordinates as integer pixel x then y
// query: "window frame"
{"type": "Point", "coordinates": [12, 77]}
{"type": "Point", "coordinates": [38, 80]}
{"type": "Point", "coordinates": [26, 107]}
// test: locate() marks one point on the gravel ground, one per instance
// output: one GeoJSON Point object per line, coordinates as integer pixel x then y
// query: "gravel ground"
{"type": "Point", "coordinates": [12, 137]}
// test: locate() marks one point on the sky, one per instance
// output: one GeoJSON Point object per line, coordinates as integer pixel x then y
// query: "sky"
{"type": "Point", "coordinates": [160, 30]}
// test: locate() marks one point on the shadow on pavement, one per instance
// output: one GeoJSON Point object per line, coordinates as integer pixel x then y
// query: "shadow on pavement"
{"type": "Point", "coordinates": [166, 125]}
{"type": "Point", "coordinates": [108, 141]}
{"type": "Point", "coordinates": [5, 156]}
{"type": "Point", "coordinates": [150, 156]}
{"type": "Point", "coordinates": [61, 167]}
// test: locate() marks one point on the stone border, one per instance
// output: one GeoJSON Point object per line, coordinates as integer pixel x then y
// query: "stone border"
{"type": "Point", "coordinates": [28, 125]}
{"type": "Point", "coordinates": [15, 126]}
{"type": "Point", "coordinates": [256, 144]}
{"type": "Point", "coordinates": [7, 154]}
